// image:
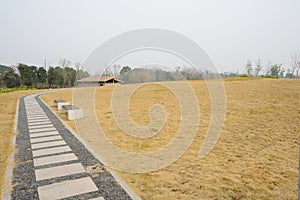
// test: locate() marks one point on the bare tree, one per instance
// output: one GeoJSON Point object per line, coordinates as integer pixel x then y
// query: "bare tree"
{"type": "Point", "coordinates": [64, 63]}
{"type": "Point", "coordinates": [295, 57]}
{"type": "Point", "coordinates": [268, 68]}
{"type": "Point", "coordinates": [249, 68]}
{"type": "Point", "coordinates": [77, 66]}
{"type": "Point", "coordinates": [108, 72]}
{"type": "Point", "coordinates": [258, 67]}
{"type": "Point", "coordinates": [297, 69]}
{"type": "Point", "coordinates": [116, 70]}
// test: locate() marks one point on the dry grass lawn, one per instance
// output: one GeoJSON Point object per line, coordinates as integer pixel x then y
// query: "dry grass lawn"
{"type": "Point", "coordinates": [8, 103]}
{"type": "Point", "coordinates": [256, 156]}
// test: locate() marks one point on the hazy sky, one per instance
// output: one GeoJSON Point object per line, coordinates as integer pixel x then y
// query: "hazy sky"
{"type": "Point", "coordinates": [230, 31]}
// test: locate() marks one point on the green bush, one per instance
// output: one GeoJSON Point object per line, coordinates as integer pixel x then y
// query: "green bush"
{"type": "Point", "coordinates": [269, 76]}
{"type": "Point", "coordinates": [6, 90]}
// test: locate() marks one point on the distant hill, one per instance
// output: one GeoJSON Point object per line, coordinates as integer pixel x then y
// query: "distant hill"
{"type": "Point", "coordinates": [3, 67]}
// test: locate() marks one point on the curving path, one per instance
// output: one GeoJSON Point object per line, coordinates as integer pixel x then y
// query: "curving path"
{"type": "Point", "coordinates": [50, 163]}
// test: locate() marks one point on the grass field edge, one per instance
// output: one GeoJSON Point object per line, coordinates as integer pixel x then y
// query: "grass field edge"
{"type": "Point", "coordinates": [6, 190]}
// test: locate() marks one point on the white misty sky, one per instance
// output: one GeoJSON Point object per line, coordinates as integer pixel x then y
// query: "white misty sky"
{"type": "Point", "coordinates": [231, 31]}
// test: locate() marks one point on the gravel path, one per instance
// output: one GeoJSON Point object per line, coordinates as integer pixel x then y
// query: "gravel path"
{"type": "Point", "coordinates": [50, 162]}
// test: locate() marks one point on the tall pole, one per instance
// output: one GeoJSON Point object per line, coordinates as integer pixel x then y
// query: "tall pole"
{"type": "Point", "coordinates": [45, 64]}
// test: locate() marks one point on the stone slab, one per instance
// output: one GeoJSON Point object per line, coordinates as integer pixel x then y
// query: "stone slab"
{"type": "Point", "coordinates": [34, 108]}
{"type": "Point", "coordinates": [38, 123]}
{"type": "Point", "coordinates": [59, 171]}
{"type": "Point", "coordinates": [49, 151]}
{"type": "Point", "coordinates": [31, 127]}
{"type": "Point", "coordinates": [38, 119]}
{"type": "Point", "coordinates": [43, 134]}
{"type": "Point", "coordinates": [54, 159]}
{"type": "Point", "coordinates": [42, 130]}
{"type": "Point", "coordinates": [98, 198]}
{"type": "Point", "coordinates": [31, 106]}
{"type": "Point", "coordinates": [67, 189]}
{"type": "Point", "coordinates": [45, 139]}
{"type": "Point", "coordinates": [31, 113]}
{"type": "Point", "coordinates": [35, 118]}
{"type": "Point", "coordinates": [48, 144]}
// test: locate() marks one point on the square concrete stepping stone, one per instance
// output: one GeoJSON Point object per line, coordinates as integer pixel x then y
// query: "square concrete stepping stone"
{"type": "Point", "coordinates": [41, 130]}
{"type": "Point", "coordinates": [67, 189]}
{"type": "Point", "coordinates": [54, 159]}
{"type": "Point", "coordinates": [49, 151]}
{"type": "Point", "coordinates": [43, 134]}
{"type": "Point", "coordinates": [98, 198]}
{"type": "Point", "coordinates": [45, 139]}
{"type": "Point", "coordinates": [53, 172]}
{"type": "Point", "coordinates": [48, 144]}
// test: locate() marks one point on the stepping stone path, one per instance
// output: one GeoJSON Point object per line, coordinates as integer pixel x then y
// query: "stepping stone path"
{"type": "Point", "coordinates": [52, 164]}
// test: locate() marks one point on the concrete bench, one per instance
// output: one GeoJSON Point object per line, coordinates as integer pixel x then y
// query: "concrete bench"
{"type": "Point", "coordinates": [59, 103]}
{"type": "Point", "coordinates": [73, 112]}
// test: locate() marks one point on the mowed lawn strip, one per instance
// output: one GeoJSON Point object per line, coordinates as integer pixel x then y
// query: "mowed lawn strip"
{"type": "Point", "coordinates": [256, 156]}
{"type": "Point", "coordinates": [8, 104]}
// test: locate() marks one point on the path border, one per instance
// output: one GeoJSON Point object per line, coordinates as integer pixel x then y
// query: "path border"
{"type": "Point", "coordinates": [7, 182]}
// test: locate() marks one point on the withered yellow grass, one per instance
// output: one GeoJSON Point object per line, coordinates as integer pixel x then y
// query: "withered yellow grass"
{"type": "Point", "coordinates": [8, 103]}
{"type": "Point", "coordinates": [256, 156]}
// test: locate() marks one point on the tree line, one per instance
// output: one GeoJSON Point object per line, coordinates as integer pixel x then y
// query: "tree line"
{"type": "Point", "coordinates": [276, 70]}
{"type": "Point", "coordinates": [38, 77]}
{"type": "Point", "coordinates": [253, 69]}
{"type": "Point", "coordinates": [143, 75]}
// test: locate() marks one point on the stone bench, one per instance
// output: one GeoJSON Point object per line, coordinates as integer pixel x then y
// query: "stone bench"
{"type": "Point", "coordinates": [59, 103]}
{"type": "Point", "coordinates": [73, 112]}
